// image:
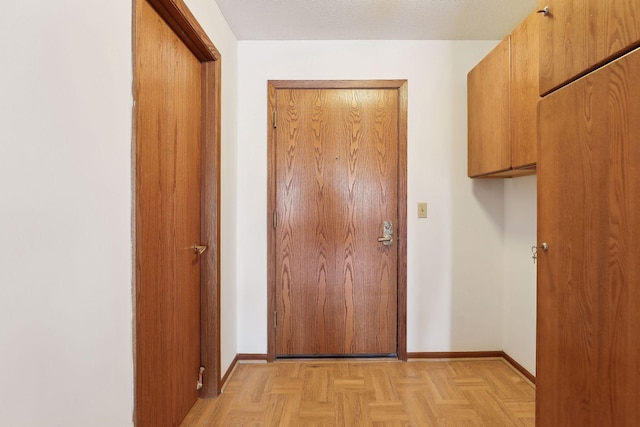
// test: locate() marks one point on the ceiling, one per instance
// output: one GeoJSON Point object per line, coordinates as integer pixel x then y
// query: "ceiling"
{"type": "Point", "coordinates": [374, 19]}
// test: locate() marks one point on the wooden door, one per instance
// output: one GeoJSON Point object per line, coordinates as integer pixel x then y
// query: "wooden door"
{"type": "Point", "coordinates": [336, 157]}
{"type": "Point", "coordinates": [588, 369]}
{"type": "Point", "coordinates": [168, 121]}
{"type": "Point", "coordinates": [578, 35]}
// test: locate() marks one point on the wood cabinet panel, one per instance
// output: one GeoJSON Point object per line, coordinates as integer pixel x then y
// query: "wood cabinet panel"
{"type": "Point", "coordinates": [489, 131]}
{"type": "Point", "coordinates": [579, 35]}
{"type": "Point", "coordinates": [524, 93]}
{"type": "Point", "coordinates": [588, 369]}
{"type": "Point", "coordinates": [502, 106]}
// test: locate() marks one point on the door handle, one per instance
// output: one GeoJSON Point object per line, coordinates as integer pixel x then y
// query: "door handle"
{"type": "Point", "coordinates": [387, 234]}
{"type": "Point", "coordinates": [198, 249]}
{"type": "Point", "coordinates": [544, 11]}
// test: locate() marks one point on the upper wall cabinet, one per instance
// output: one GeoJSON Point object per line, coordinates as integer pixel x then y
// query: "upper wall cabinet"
{"type": "Point", "coordinates": [488, 106]}
{"type": "Point", "coordinates": [502, 96]}
{"type": "Point", "coordinates": [524, 93]}
{"type": "Point", "coordinates": [578, 36]}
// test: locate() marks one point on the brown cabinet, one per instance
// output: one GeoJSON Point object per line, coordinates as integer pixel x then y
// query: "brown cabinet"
{"type": "Point", "coordinates": [488, 106]}
{"type": "Point", "coordinates": [578, 36]}
{"type": "Point", "coordinates": [588, 368]}
{"type": "Point", "coordinates": [502, 93]}
{"type": "Point", "coordinates": [524, 94]}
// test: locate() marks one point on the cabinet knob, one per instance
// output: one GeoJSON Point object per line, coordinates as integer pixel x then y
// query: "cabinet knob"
{"type": "Point", "coordinates": [544, 11]}
{"type": "Point", "coordinates": [534, 251]}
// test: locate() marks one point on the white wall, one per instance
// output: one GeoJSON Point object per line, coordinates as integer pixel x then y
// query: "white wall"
{"type": "Point", "coordinates": [211, 19]}
{"type": "Point", "coordinates": [519, 330]}
{"type": "Point", "coordinates": [65, 214]}
{"type": "Point", "coordinates": [455, 257]}
{"type": "Point", "coordinates": [66, 354]}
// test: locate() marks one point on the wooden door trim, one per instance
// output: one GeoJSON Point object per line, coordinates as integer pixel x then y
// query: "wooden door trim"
{"type": "Point", "coordinates": [210, 229]}
{"type": "Point", "coordinates": [180, 19]}
{"type": "Point", "coordinates": [401, 87]}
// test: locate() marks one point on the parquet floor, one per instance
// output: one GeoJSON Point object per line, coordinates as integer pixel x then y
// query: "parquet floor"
{"type": "Point", "coordinates": [482, 392]}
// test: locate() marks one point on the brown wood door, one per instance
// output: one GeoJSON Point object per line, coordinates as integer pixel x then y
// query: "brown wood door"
{"type": "Point", "coordinates": [168, 144]}
{"type": "Point", "coordinates": [588, 369]}
{"type": "Point", "coordinates": [337, 181]}
{"type": "Point", "coordinates": [578, 35]}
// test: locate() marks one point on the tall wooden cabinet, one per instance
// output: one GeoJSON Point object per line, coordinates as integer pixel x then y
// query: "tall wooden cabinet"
{"type": "Point", "coordinates": [577, 36]}
{"type": "Point", "coordinates": [502, 93]}
{"type": "Point", "coordinates": [588, 363]}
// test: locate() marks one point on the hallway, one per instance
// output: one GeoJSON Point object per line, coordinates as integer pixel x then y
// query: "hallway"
{"type": "Point", "coordinates": [470, 392]}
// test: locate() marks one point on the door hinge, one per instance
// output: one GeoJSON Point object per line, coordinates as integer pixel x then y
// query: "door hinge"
{"type": "Point", "coordinates": [275, 319]}
{"type": "Point", "coordinates": [275, 219]}
{"type": "Point", "coordinates": [275, 118]}
{"type": "Point", "coordinates": [199, 383]}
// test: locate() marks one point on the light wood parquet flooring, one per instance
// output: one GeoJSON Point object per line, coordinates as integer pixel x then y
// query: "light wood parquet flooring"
{"type": "Point", "coordinates": [482, 392]}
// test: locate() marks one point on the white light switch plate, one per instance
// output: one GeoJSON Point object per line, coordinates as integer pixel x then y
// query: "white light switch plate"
{"type": "Point", "coordinates": [422, 210]}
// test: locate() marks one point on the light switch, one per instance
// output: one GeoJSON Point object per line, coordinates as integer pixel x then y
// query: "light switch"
{"type": "Point", "coordinates": [422, 210]}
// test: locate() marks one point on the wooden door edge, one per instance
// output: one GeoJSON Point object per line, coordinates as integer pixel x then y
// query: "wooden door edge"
{"type": "Point", "coordinates": [210, 230]}
{"type": "Point", "coordinates": [402, 87]}
{"type": "Point", "coordinates": [271, 237]}
{"type": "Point", "coordinates": [402, 220]}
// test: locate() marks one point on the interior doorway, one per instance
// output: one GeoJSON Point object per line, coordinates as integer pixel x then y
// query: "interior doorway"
{"type": "Point", "coordinates": [176, 212]}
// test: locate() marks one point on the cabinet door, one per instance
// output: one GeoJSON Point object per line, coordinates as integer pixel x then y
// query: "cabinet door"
{"type": "Point", "coordinates": [588, 363]}
{"type": "Point", "coordinates": [488, 93]}
{"type": "Point", "coordinates": [524, 93]}
{"type": "Point", "coordinates": [579, 35]}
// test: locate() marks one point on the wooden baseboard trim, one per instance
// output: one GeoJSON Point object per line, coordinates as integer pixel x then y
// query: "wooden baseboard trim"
{"type": "Point", "coordinates": [518, 367]}
{"type": "Point", "coordinates": [474, 354]}
{"type": "Point", "coordinates": [240, 357]}
{"type": "Point", "coordinates": [252, 356]}
{"type": "Point", "coordinates": [454, 354]}
{"type": "Point", "coordinates": [415, 355]}
{"type": "Point", "coordinates": [226, 375]}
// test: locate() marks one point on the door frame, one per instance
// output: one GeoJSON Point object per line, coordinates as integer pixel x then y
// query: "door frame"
{"type": "Point", "coordinates": [180, 19]}
{"type": "Point", "coordinates": [401, 87]}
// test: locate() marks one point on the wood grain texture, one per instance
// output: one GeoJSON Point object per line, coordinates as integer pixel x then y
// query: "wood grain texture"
{"type": "Point", "coordinates": [511, 173]}
{"type": "Point", "coordinates": [588, 370]}
{"type": "Point", "coordinates": [518, 367]}
{"type": "Point", "coordinates": [454, 354]}
{"type": "Point", "coordinates": [180, 19]}
{"type": "Point", "coordinates": [524, 93]}
{"type": "Point", "coordinates": [401, 226]}
{"type": "Point", "coordinates": [401, 87]}
{"type": "Point", "coordinates": [474, 355]}
{"type": "Point", "coordinates": [488, 102]}
{"type": "Point", "coordinates": [271, 209]}
{"type": "Point", "coordinates": [210, 228]}
{"type": "Point", "coordinates": [337, 162]}
{"type": "Point", "coordinates": [580, 35]}
{"type": "Point", "coordinates": [168, 142]}
{"type": "Point", "coordinates": [371, 393]}
{"type": "Point", "coordinates": [338, 84]}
